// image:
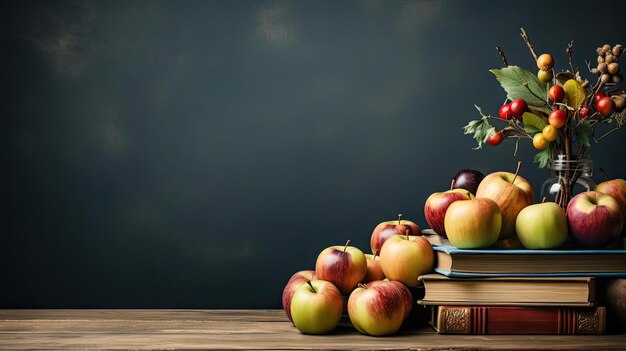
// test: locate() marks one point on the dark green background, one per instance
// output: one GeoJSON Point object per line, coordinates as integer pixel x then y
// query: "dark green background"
{"type": "Point", "coordinates": [197, 153]}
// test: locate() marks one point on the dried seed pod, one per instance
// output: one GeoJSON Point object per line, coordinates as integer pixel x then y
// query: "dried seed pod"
{"type": "Point", "coordinates": [609, 58]}
{"type": "Point", "coordinates": [600, 59]}
{"type": "Point", "coordinates": [595, 72]}
{"type": "Point", "coordinates": [602, 67]}
{"type": "Point", "coordinates": [619, 102]}
{"type": "Point", "coordinates": [599, 51]}
{"type": "Point", "coordinates": [585, 84]}
{"type": "Point", "coordinates": [613, 68]}
{"type": "Point", "coordinates": [605, 78]}
{"type": "Point", "coordinates": [606, 48]}
{"type": "Point", "coordinates": [617, 50]}
{"type": "Point", "coordinates": [616, 79]}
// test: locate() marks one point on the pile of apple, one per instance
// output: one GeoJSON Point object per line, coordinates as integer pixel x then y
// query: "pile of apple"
{"type": "Point", "coordinates": [483, 210]}
{"type": "Point", "coordinates": [475, 213]}
{"type": "Point", "coordinates": [376, 284]}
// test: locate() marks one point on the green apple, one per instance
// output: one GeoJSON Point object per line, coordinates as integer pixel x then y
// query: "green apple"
{"type": "Point", "coordinates": [380, 307]}
{"type": "Point", "coordinates": [473, 224]}
{"type": "Point", "coordinates": [316, 307]}
{"type": "Point", "coordinates": [541, 226]}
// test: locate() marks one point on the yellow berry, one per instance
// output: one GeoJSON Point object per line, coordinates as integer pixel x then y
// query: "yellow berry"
{"type": "Point", "coordinates": [539, 142]}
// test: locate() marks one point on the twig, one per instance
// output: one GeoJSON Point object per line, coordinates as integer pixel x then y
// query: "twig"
{"type": "Point", "coordinates": [605, 134]}
{"type": "Point", "coordinates": [516, 145]}
{"type": "Point", "coordinates": [528, 43]}
{"type": "Point", "coordinates": [501, 52]}
{"type": "Point", "coordinates": [569, 50]}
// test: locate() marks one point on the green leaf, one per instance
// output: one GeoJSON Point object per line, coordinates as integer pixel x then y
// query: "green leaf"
{"type": "Point", "coordinates": [480, 130]}
{"type": "Point", "coordinates": [583, 133]}
{"type": "Point", "coordinates": [533, 123]}
{"type": "Point", "coordinates": [543, 157]}
{"type": "Point", "coordinates": [513, 78]}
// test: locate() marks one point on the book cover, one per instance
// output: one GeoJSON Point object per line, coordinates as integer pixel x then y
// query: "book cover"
{"type": "Point", "coordinates": [517, 320]}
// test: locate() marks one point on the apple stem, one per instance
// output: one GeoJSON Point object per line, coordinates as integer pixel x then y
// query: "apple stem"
{"type": "Point", "coordinates": [544, 199]}
{"type": "Point", "coordinates": [604, 173]}
{"type": "Point", "coordinates": [519, 165]}
{"type": "Point", "coordinates": [346, 247]}
{"type": "Point", "coordinates": [399, 218]}
{"type": "Point", "coordinates": [452, 184]}
{"type": "Point", "coordinates": [407, 234]}
{"type": "Point", "coordinates": [311, 285]}
{"type": "Point", "coordinates": [361, 285]}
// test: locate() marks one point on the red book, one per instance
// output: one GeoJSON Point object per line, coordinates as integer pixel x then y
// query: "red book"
{"type": "Point", "coordinates": [518, 320]}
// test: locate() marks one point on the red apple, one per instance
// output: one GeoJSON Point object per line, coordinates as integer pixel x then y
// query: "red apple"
{"type": "Point", "coordinates": [473, 224]}
{"type": "Point", "coordinates": [617, 189]}
{"type": "Point", "coordinates": [296, 280]}
{"type": "Point", "coordinates": [344, 266]}
{"type": "Point", "coordinates": [316, 307]}
{"type": "Point", "coordinates": [385, 230]}
{"type": "Point", "coordinates": [404, 258]}
{"type": "Point", "coordinates": [374, 270]}
{"type": "Point", "coordinates": [437, 205]}
{"type": "Point", "coordinates": [511, 192]}
{"type": "Point", "coordinates": [595, 219]}
{"type": "Point", "coordinates": [380, 307]}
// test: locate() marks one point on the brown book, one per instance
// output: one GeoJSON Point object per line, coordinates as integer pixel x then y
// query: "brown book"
{"type": "Point", "coordinates": [518, 320]}
{"type": "Point", "coordinates": [510, 291]}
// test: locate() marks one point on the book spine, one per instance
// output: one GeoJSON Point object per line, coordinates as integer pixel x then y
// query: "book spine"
{"type": "Point", "coordinates": [479, 320]}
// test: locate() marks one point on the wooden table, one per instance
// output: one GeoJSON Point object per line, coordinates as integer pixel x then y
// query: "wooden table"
{"type": "Point", "coordinates": [238, 329]}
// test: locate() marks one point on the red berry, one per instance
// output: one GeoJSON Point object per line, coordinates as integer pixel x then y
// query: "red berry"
{"type": "Point", "coordinates": [518, 107]}
{"type": "Point", "coordinates": [505, 111]}
{"type": "Point", "coordinates": [605, 106]}
{"type": "Point", "coordinates": [557, 118]}
{"type": "Point", "coordinates": [495, 138]}
{"type": "Point", "coordinates": [556, 93]}
{"type": "Point", "coordinates": [597, 96]}
{"type": "Point", "coordinates": [584, 112]}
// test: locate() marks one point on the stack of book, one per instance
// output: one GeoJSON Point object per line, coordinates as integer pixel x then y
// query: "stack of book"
{"type": "Point", "coordinates": [511, 291]}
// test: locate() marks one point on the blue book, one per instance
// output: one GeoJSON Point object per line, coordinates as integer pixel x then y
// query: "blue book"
{"type": "Point", "coordinates": [502, 262]}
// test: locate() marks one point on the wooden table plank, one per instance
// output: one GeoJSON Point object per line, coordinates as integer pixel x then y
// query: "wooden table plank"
{"type": "Point", "coordinates": [239, 329]}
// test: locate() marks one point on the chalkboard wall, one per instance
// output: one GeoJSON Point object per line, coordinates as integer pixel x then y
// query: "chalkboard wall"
{"type": "Point", "coordinates": [197, 153]}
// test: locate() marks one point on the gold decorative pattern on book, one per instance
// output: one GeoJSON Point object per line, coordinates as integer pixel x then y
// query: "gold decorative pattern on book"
{"type": "Point", "coordinates": [457, 320]}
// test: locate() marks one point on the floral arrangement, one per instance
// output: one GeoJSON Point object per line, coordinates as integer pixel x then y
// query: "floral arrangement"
{"type": "Point", "coordinates": [559, 112]}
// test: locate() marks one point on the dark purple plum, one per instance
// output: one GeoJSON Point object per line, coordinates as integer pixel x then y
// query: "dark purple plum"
{"type": "Point", "coordinates": [468, 179]}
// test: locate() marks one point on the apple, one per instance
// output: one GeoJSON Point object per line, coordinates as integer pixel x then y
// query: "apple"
{"type": "Point", "coordinates": [511, 192]}
{"type": "Point", "coordinates": [437, 204]}
{"type": "Point", "coordinates": [385, 230]}
{"type": "Point", "coordinates": [404, 258]}
{"type": "Point", "coordinates": [296, 280]}
{"type": "Point", "coordinates": [374, 270]}
{"type": "Point", "coordinates": [468, 179]}
{"type": "Point", "coordinates": [380, 307]}
{"type": "Point", "coordinates": [316, 307]}
{"type": "Point", "coordinates": [595, 219]}
{"type": "Point", "coordinates": [344, 266]}
{"type": "Point", "coordinates": [617, 189]}
{"type": "Point", "coordinates": [541, 226]}
{"type": "Point", "coordinates": [473, 224]}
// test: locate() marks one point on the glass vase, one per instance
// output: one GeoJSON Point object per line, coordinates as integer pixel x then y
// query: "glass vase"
{"type": "Point", "coordinates": [569, 176]}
